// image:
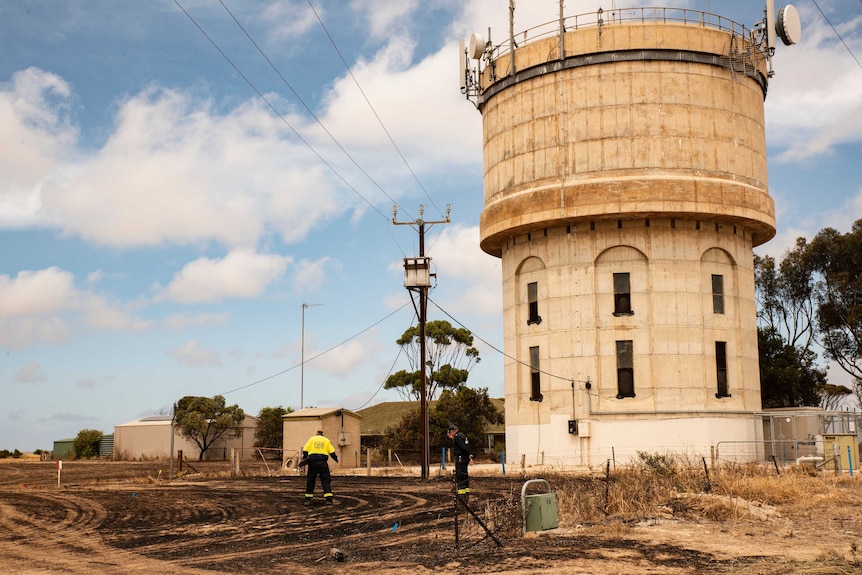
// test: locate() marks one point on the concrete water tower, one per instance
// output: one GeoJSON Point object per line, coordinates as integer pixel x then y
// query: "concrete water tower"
{"type": "Point", "coordinates": [625, 185]}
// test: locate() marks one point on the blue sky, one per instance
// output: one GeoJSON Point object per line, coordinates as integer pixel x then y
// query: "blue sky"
{"type": "Point", "coordinates": [164, 213]}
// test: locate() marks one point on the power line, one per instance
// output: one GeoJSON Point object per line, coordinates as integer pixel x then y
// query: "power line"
{"type": "Point", "coordinates": [276, 112]}
{"type": "Point", "coordinates": [391, 367]}
{"type": "Point", "coordinates": [500, 351]}
{"type": "Point", "coordinates": [301, 101]}
{"type": "Point", "coordinates": [267, 378]}
{"type": "Point", "coordinates": [361, 91]}
{"type": "Point", "coordinates": [836, 32]}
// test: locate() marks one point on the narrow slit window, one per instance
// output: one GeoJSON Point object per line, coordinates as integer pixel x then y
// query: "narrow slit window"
{"type": "Point", "coordinates": [721, 369]}
{"type": "Point", "coordinates": [535, 383]}
{"type": "Point", "coordinates": [625, 369]}
{"type": "Point", "coordinates": [533, 302]}
{"type": "Point", "coordinates": [718, 293]}
{"type": "Point", "coordinates": [622, 294]}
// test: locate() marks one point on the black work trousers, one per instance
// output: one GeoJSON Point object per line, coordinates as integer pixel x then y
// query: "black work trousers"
{"type": "Point", "coordinates": [462, 476]}
{"type": "Point", "coordinates": [321, 469]}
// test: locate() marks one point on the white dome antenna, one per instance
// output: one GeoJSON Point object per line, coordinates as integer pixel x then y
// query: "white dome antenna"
{"type": "Point", "coordinates": [477, 46]}
{"type": "Point", "coordinates": [785, 24]}
{"type": "Point", "coordinates": [788, 25]}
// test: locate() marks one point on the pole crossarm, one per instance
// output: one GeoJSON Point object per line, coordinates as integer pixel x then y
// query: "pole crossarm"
{"type": "Point", "coordinates": [419, 225]}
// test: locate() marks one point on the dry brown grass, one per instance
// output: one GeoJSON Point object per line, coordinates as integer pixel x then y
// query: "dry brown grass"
{"type": "Point", "coordinates": [829, 563]}
{"type": "Point", "coordinates": [666, 484]}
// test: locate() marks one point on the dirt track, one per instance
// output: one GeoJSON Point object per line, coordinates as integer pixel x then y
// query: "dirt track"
{"type": "Point", "coordinates": [126, 519]}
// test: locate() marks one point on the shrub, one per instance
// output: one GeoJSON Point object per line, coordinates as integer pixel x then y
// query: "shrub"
{"type": "Point", "coordinates": [86, 443]}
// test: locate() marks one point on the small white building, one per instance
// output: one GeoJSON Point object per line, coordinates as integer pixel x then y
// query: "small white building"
{"type": "Point", "coordinates": [150, 439]}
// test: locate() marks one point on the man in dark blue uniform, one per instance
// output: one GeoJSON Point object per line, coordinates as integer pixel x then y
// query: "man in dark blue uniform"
{"type": "Point", "coordinates": [463, 452]}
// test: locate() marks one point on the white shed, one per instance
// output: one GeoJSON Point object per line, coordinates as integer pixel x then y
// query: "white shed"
{"type": "Point", "coordinates": [150, 438]}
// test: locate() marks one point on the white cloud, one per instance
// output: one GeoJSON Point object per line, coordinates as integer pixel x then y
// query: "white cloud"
{"type": "Point", "coordinates": [173, 171]}
{"type": "Point", "coordinates": [21, 332]}
{"type": "Point", "coordinates": [102, 315]}
{"type": "Point", "coordinates": [457, 258]}
{"type": "Point", "coordinates": [840, 219]}
{"type": "Point", "coordinates": [180, 321]}
{"type": "Point", "coordinates": [34, 138]}
{"type": "Point", "coordinates": [31, 373]}
{"type": "Point", "coordinates": [815, 97]}
{"type": "Point", "coordinates": [36, 293]}
{"type": "Point", "coordinates": [385, 18]}
{"type": "Point", "coordinates": [36, 305]}
{"type": "Point", "coordinates": [193, 354]}
{"type": "Point", "coordinates": [310, 274]}
{"type": "Point", "coordinates": [287, 20]}
{"type": "Point", "coordinates": [403, 95]}
{"type": "Point", "coordinates": [240, 274]}
{"type": "Point", "coordinates": [343, 359]}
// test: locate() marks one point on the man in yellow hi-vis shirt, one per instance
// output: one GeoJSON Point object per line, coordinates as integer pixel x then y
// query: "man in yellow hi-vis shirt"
{"type": "Point", "coordinates": [316, 453]}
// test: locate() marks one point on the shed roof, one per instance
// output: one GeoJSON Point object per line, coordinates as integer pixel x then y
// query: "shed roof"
{"type": "Point", "coordinates": [318, 412]}
{"type": "Point", "coordinates": [157, 420]}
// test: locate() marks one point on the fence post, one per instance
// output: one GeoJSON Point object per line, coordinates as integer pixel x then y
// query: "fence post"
{"type": "Point", "coordinates": [849, 461]}
{"type": "Point", "coordinates": [368, 459]}
{"type": "Point", "coordinates": [234, 463]}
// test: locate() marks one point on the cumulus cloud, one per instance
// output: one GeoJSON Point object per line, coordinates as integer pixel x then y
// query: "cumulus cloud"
{"type": "Point", "coordinates": [401, 92]}
{"type": "Point", "coordinates": [36, 293]}
{"type": "Point", "coordinates": [193, 354]}
{"type": "Point", "coordinates": [457, 258]}
{"type": "Point", "coordinates": [36, 305]}
{"type": "Point", "coordinates": [240, 274]}
{"type": "Point", "coordinates": [815, 99]}
{"type": "Point", "coordinates": [174, 170]}
{"type": "Point", "coordinates": [35, 138]}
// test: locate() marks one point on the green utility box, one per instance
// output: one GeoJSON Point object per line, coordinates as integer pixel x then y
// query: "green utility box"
{"type": "Point", "coordinates": [540, 510]}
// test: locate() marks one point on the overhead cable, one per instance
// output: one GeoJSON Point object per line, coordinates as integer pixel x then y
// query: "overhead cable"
{"type": "Point", "coordinates": [361, 91]}
{"type": "Point", "coordinates": [307, 108]}
{"type": "Point", "coordinates": [267, 378]}
{"type": "Point", "coordinates": [276, 112]}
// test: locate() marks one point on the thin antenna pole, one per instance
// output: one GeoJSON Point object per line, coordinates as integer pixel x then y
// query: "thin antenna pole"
{"type": "Point", "coordinates": [302, 357]}
{"type": "Point", "coordinates": [512, 37]}
{"type": "Point", "coordinates": [562, 33]}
